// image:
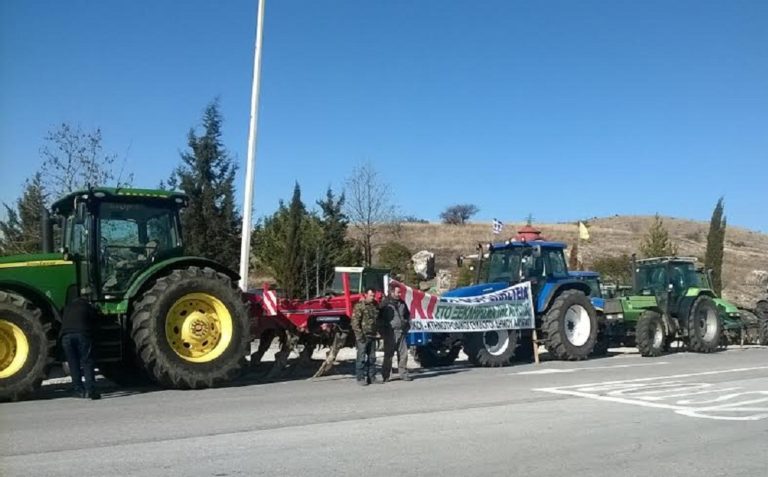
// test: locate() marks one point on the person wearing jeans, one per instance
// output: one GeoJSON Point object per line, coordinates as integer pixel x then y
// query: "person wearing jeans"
{"type": "Point", "coordinates": [363, 324]}
{"type": "Point", "coordinates": [77, 323]}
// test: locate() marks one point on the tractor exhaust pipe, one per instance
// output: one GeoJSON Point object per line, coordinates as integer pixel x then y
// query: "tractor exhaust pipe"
{"type": "Point", "coordinates": [634, 272]}
{"type": "Point", "coordinates": [46, 232]}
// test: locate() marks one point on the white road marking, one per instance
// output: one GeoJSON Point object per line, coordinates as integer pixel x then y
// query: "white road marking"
{"type": "Point", "coordinates": [573, 370]}
{"type": "Point", "coordinates": [747, 405]}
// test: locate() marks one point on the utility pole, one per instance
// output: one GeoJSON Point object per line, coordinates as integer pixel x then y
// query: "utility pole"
{"type": "Point", "coordinates": [245, 244]}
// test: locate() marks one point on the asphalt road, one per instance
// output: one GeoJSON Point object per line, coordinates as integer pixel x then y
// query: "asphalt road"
{"type": "Point", "coordinates": [678, 415]}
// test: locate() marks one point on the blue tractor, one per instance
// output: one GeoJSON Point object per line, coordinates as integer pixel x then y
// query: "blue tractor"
{"type": "Point", "coordinates": [566, 319]}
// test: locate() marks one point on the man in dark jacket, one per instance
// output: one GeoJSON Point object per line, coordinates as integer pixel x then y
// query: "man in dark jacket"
{"type": "Point", "coordinates": [394, 322]}
{"type": "Point", "coordinates": [77, 325]}
{"type": "Point", "coordinates": [363, 324]}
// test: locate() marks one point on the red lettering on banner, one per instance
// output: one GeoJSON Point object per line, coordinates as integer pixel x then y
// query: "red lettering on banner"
{"type": "Point", "coordinates": [417, 305]}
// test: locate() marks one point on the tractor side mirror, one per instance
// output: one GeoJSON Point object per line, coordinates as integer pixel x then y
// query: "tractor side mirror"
{"type": "Point", "coordinates": [537, 251]}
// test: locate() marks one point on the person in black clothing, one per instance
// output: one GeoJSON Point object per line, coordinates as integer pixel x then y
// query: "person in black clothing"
{"type": "Point", "coordinates": [394, 323]}
{"type": "Point", "coordinates": [77, 324]}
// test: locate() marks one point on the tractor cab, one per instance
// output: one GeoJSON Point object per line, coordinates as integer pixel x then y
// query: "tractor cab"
{"type": "Point", "coordinates": [116, 234]}
{"type": "Point", "coordinates": [360, 279]}
{"type": "Point", "coordinates": [668, 279]}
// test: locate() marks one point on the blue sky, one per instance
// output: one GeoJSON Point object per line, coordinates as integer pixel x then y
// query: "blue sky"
{"type": "Point", "coordinates": [563, 109]}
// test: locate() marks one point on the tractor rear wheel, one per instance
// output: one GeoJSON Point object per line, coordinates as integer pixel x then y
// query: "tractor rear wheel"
{"type": "Point", "coordinates": [704, 325]}
{"type": "Point", "coordinates": [490, 348]}
{"type": "Point", "coordinates": [761, 310]}
{"type": "Point", "coordinates": [191, 329]}
{"type": "Point", "coordinates": [436, 355]}
{"type": "Point", "coordinates": [570, 326]}
{"type": "Point", "coordinates": [26, 347]}
{"type": "Point", "coordinates": [649, 334]}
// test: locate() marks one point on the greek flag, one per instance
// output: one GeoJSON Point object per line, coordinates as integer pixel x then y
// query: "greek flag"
{"type": "Point", "coordinates": [497, 226]}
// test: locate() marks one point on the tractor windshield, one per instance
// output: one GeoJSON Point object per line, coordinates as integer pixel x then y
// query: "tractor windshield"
{"type": "Point", "coordinates": [131, 235]}
{"type": "Point", "coordinates": [517, 264]}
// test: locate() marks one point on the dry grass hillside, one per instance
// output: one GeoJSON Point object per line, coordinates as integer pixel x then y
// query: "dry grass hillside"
{"type": "Point", "coordinates": [745, 250]}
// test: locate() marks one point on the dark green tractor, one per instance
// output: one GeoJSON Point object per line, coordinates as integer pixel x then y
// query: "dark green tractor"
{"type": "Point", "coordinates": [670, 301]}
{"type": "Point", "coordinates": [165, 316]}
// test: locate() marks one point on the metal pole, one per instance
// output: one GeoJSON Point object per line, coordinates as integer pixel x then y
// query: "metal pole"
{"type": "Point", "coordinates": [245, 244]}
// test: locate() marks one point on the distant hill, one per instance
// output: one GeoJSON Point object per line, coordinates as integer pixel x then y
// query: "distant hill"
{"type": "Point", "coordinates": [745, 250]}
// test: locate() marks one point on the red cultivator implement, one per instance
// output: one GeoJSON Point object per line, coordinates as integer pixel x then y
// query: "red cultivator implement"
{"type": "Point", "coordinates": [305, 325]}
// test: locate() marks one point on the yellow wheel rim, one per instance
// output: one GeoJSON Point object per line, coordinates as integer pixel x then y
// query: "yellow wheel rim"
{"type": "Point", "coordinates": [198, 327]}
{"type": "Point", "coordinates": [14, 349]}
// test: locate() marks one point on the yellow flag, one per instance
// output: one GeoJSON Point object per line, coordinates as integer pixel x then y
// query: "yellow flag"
{"type": "Point", "coordinates": [583, 231]}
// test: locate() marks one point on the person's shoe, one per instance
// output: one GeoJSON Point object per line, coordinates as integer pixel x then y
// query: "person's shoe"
{"type": "Point", "coordinates": [78, 393]}
{"type": "Point", "coordinates": [362, 382]}
{"type": "Point", "coordinates": [406, 377]}
{"type": "Point", "coordinates": [92, 395]}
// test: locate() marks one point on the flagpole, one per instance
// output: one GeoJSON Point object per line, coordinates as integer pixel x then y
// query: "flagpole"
{"type": "Point", "coordinates": [245, 244]}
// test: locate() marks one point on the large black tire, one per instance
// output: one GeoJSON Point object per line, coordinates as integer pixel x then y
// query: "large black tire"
{"type": "Point", "coordinates": [524, 349]}
{"type": "Point", "coordinates": [23, 370]}
{"type": "Point", "coordinates": [490, 348]}
{"type": "Point", "coordinates": [649, 334]}
{"type": "Point", "coordinates": [601, 344]}
{"type": "Point", "coordinates": [570, 326]}
{"type": "Point", "coordinates": [183, 293]}
{"type": "Point", "coordinates": [436, 355]}
{"type": "Point", "coordinates": [761, 310]}
{"type": "Point", "coordinates": [762, 329]}
{"type": "Point", "coordinates": [704, 325]}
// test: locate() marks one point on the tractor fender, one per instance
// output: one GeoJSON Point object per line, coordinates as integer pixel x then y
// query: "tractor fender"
{"type": "Point", "coordinates": [551, 290]}
{"type": "Point", "coordinates": [159, 269]}
{"type": "Point", "coordinates": [35, 296]}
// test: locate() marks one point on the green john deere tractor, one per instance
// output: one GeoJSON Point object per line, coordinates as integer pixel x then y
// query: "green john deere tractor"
{"type": "Point", "coordinates": [174, 319]}
{"type": "Point", "coordinates": [670, 301]}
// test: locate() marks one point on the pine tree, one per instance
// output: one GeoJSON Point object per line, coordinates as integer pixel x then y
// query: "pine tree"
{"type": "Point", "coordinates": [292, 278]}
{"type": "Point", "coordinates": [207, 174]}
{"type": "Point", "coordinates": [713, 259]}
{"type": "Point", "coordinates": [656, 242]}
{"type": "Point", "coordinates": [20, 232]}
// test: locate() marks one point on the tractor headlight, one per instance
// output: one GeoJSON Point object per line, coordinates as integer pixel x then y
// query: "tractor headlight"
{"type": "Point", "coordinates": [616, 316]}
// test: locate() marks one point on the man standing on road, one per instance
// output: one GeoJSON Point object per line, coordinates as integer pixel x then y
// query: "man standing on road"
{"type": "Point", "coordinates": [394, 320]}
{"type": "Point", "coordinates": [364, 318]}
{"type": "Point", "coordinates": [77, 324]}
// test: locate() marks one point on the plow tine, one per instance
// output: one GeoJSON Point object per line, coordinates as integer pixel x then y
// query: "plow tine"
{"type": "Point", "coordinates": [264, 343]}
{"type": "Point", "coordinates": [288, 342]}
{"type": "Point", "coordinates": [330, 357]}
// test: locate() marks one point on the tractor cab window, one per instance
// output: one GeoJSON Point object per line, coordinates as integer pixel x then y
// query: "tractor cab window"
{"type": "Point", "coordinates": [652, 279]}
{"type": "Point", "coordinates": [556, 266]}
{"type": "Point", "coordinates": [683, 276]}
{"type": "Point", "coordinates": [76, 237]}
{"type": "Point", "coordinates": [130, 238]}
{"type": "Point", "coordinates": [504, 265]}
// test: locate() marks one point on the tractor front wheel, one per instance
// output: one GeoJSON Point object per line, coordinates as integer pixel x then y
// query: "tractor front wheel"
{"type": "Point", "coordinates": [436, 355]}
{"type": "Point", "coordinates": [570, 326]}
{"type": "Point", "coordinates": [191, 329]}
{"type": "Point", "coordinates": [490, 348]}
{"type": "Point", "coordinates": [649, 334]}
{"type": "Point", "coordinates": [26, 347]}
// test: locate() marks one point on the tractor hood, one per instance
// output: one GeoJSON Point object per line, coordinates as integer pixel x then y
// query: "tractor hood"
{"type": "Point", "coordinates": [475, 290]}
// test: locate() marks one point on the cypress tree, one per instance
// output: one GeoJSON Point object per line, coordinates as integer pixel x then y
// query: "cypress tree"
{"type": "Point", "coordinates": [713, 258]}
